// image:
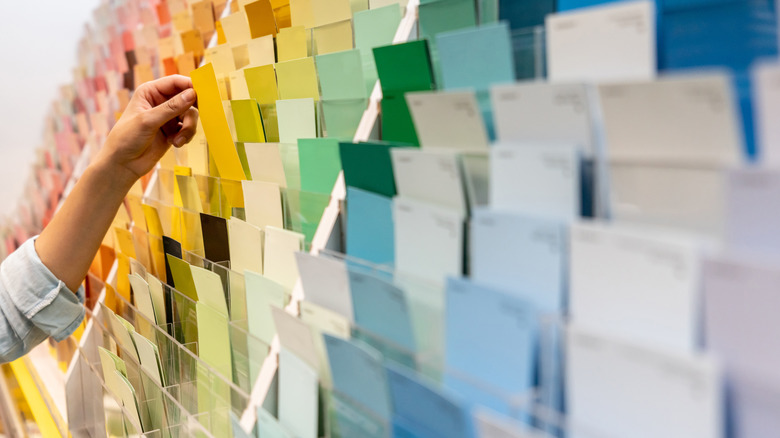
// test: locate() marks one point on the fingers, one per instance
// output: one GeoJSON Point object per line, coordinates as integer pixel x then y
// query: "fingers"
{"type": "Point", "coordinates": [189, 123]}
{"type": "Point", "coordinates": [170, 85]}
{"type": "Point", "coordinates": [172, 108]}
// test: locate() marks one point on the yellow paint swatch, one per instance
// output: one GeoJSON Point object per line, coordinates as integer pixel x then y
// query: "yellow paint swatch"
{"type": "Point", "coordinates": [232, 196]}
{"type": "Point", "coordinates": [192, 234]}
{"type": "Point", "coordinates": [157, 252]}
{"type": "Point", "coordinates": [249, 124]}
{"type": "Point", "coordinates": [136, 211]}
{"type": "Point", "coordinates": [221, 57]}
{"type": "Point", "coordinates": [236, 28]}
{"type": "Point", "coordinates": [192, 41]}
{"type": "Point", "coordinates": [297, 79]}
{"type": "Point", "coordinates": [283, 17]}
{"type": "Point", "coordinates": [334, 37]}
{"type": "Point", "coordinates": [220, 33]}
{"type": "Point", "coordinates": [261, 82]}
{"type": "Point", "coordinates": [141, 243]}
{"type": "Point", "coordinates": [330, 11]}
{"type": "Point", "coordinates": [122, 271]}
{"type": "Point", "coordinates": [261, 51]}
{"type": "Point", "coordinates": [153, 223]}
{"type": "Point", "coordinates": [215, 124]}
{"type": "Point", "coordinates": [291, 43]}
{"type": "Point", "coordinates": [241, 55]}
{"type": "Point", "coordinates": [301, 13]}
{"type": "Point", "coordinates": [261, 18]}
{"type": "Point", "coordinates": [188, 190]}
{"type": "Point", "coordinates": [44, 420]}
{"type": "Point", "coordinates": [124, 240]}
{"type": "Point", "coordinates": [238, 88]}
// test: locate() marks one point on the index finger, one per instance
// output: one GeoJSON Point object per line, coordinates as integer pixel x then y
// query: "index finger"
{"type": "Point", "coordinates": [166, 87]}
{"type": "Point", "coordinates": [171, 85]}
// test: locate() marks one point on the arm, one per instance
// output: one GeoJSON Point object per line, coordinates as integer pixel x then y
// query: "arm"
{"type": "Point", "coordinates": [160, 113]}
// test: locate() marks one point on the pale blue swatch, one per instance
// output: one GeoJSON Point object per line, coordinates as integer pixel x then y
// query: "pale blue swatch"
{"type": "Point", "coordinates": [490, 346]}
{"type": "Point", "coordinates": [521, 255]}
{"type": "Point", "coordinates": [476, 58]}
{"type": "Point", "coordinates": [358, 373]}
{"type": "Point", "coordinates": [370, 233]}
{"type": "Point", "coordinates": [423, 410]}
{"type": "Point", "coordinates": [381, 310]}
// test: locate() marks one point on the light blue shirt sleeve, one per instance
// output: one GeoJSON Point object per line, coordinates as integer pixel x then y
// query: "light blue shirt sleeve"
{"type": "Point", "coordinates": [34, 304]}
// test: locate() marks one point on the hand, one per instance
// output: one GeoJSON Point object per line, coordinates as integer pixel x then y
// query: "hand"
{"type": "Point", "coordinates": [160, 113]}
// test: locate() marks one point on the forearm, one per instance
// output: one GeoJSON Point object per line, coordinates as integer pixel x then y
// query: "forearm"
{"type": "Point", "coordinates": [159, 114]}
{"type": "Point", "coordinates": [69, 243]}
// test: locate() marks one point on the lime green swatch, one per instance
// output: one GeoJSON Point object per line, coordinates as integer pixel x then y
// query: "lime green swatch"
{"type": "Point", "coordinates": [249, 123]}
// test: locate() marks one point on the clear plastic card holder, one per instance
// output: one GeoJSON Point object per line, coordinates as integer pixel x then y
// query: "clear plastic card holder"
{"type": "Point", "coordinates": [164, 189]}
{"type": "Point", "coordinates": [156, 256]}
{"type": "Point", "coordinates": [303, 211]}
{"type": "Point", "coordinates": [476, 175]}
{"type": "Point", "coordinates": [523, 410]}
{"type": "Point", "coordinates": [231, 196]}
{"type": "Point", "coordinates": [148, 397]}
{"type": "Point", "coordinates": [192, 234]}
{"type": "Point", "coordinates": [210, 193]}
{"type": "Point", "coordinates": [519, 406]}
{"type": "Point", "coordinates": [341, 117]}
{"type": "Point", "coordinates": [348, 418]}
{"type": "Point", "coordinates": [160, 412]}
{"type": "Point", "coordinates": [493, 424]}
{"type": "Point", "coordinates": [425, 305]}
{"type": "Point", "coordinates": [236, 293]}
{"type": "Point", "coordinates": [528, 47]}
{"type": "Point", "coordinates": [181, 224]}
{"type": "Point", "coordinates": [232, 282]}
{"type": "Point", "coordinates": [249, 354]}
{"type": "Point", "coordinates": [291, 164]}
{"type": "Point", "coordinates": [551, 362]}
{"type": "Point", "coordinates": [201, 389]}
{"type": "Point", "coordinates": [184, 327]}
{"type": "Point", "coordinates": [487, 11]}
{"type": "Point", "coordinates": [270, 121]}
{"type": "Point", "coordinates": [168, 214]}
{"type": "Point", "coordinates": [93, 286]}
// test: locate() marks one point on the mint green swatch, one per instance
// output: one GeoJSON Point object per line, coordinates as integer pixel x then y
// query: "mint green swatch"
{"type": "Point", "coordinates": [374, 28]}
{"type": "Point", "coordinates": [320, 164]}
{"type": "Point", "coordinates": [342, 116]}
{"type": "Point", "coordinates": [341, 75]}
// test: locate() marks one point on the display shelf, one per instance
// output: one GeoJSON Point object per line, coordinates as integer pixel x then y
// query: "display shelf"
{"type": "Point", "coordinates": [55, 385]}
{"type": "Point", "coordinates": [50, 423]}
{"type": "Point", "coordinates": [42, 369]}
{"type": "Point", "coordinates": [327, 227]}
{"type": "Point", "coordinates": [9, 412]}
{"type": "Point", "coordinates": [39, 365]}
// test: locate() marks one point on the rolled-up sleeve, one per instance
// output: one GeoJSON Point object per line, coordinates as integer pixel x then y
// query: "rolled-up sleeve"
{"type": "Point", "coordinates": [34, 303]}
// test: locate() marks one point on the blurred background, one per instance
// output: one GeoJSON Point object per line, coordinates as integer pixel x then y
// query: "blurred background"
{"type": "Point", "coordinates": [36, 65]}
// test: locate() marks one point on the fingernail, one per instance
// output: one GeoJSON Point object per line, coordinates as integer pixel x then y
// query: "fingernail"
{"type": "Point", "coordinates": [179, 141]}
{"type": "Point", "coordinates": [189, 95]}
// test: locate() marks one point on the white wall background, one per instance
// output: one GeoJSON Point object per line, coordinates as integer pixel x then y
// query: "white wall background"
{"type": "Point", "coordinates": [38, 55]}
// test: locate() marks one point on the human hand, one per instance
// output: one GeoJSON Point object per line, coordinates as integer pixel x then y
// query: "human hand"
{"type": "Point", "coordinates": [160, 113]}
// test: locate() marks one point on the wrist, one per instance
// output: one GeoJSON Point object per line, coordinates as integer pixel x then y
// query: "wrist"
{"type": "Point", "coordinates": [113, 175]}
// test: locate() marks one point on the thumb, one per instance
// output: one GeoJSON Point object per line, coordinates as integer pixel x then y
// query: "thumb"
{"type": "Point", "coordinates": [171, 108]}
